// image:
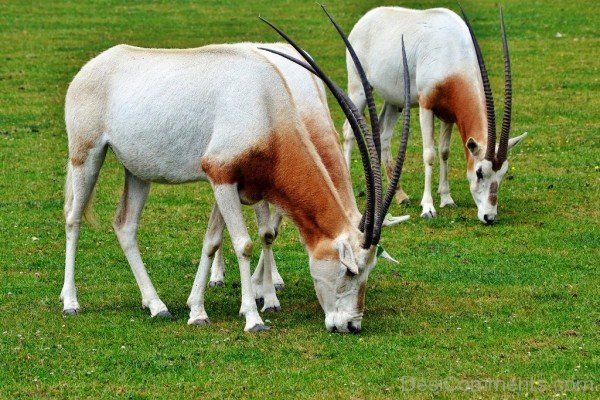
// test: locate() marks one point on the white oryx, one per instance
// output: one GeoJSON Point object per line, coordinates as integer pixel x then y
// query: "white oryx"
{"type": "Point", "coordinates": [448, 80]}
{"type": "Point", "coordinates": [224, 114]}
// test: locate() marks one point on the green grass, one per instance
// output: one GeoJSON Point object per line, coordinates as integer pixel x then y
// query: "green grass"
{"type": "Point", "coordinates": [516, 301]}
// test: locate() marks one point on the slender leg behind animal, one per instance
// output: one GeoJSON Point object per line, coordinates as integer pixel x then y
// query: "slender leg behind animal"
{"type": "Point", "coordinates": [126, 224]}
{"type": "Point", "coordinates": [276, 217]}
{"type": "Point", "coordinates": [211, 243]}
{"type": "Point", "coordinates": [217, 270]}
{"type": "Point", "coordinates": [444, 187]}
{"type": "Point", "coordinates": [274, 222]}
{"type": "Point", "coordinates": [79, 187]}
{"type": "Point", "coordinates": [357, 95]}
{"type": "Point", "coordinates": [218, 265]}
{"type": "Point", "coordinates": [262, 280]}
{"type": "Point", "coordinates": [389, 117]}
{"type": "Point", "coordinates": [426, 120]}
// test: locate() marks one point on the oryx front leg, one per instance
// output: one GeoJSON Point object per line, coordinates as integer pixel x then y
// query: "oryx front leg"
{"type": "Point", "coordinates": [125, 225]}
{"type": "Point", "coordinates": [229, 203]}
{"type": "Point", "coordinates": [262, 280]}
{"type": "Point", "coordinates": [210, 245]}
{"type": "Point", "coordinates": [389, 116]}
{"type": "Point", "coordinates": [79, 186]}
{"type": "Point", "coordinates": [426, 120]}
{"type": "Point", "coordinates": [444, 187]}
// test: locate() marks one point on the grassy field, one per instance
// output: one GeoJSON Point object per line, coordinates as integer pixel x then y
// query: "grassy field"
{"type": "Point", "coordinates": [516, 302]}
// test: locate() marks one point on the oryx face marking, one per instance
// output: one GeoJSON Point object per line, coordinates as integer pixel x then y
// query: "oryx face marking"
{"type": "Point", "coordinates": [484, 182]}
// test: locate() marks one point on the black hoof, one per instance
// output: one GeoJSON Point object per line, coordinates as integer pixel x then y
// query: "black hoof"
{"type": "Point", "coordinates": [272, 309]}
{"type": "Point", "coordinates": [259, 328]}
{"type": "Point", "coordinates": [164, 315]}
{"type": "Point", "coordinates": [70, 311]}
{"type": "Point", "coordinates": [200, 322]}
{"type": "Point", "coordinates": [406, 202]}
{"type": "Point", "coordinates": [428, 215]}
{"type": "Point", "coordinates": [279, 286]}
{"type": "Point", "coordinates": [260, 302]}
{"type": "Point", "coordinates": [215, 283]}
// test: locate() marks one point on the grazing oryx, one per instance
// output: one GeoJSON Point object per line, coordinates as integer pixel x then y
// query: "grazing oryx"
{"type": "Point", "coordinates": [224, 114]}
{"type": "Point", "coordinates": [448, 80]}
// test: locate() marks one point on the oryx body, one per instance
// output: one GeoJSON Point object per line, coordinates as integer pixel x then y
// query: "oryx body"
{"type": "Point", "coordinates": [445, 82]}
{"type": "Point", "coordinates": [223, 114]}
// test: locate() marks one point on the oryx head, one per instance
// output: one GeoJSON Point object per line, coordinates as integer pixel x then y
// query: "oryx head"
{"type": "Point", "coordinates": [341, 266]}
{"type": "Point", "coordinates": [490, 163]}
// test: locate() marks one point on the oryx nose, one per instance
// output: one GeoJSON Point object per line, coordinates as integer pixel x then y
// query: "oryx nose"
{"type": "Point", "coordinates": [352, 328]}
{"type": "Point", "coordinates": [489, 219]}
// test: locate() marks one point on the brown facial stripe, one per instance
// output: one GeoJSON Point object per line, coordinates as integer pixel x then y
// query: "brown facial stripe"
{"type": "Point", "coordinates": [360, 302]}
{"type": "Point", "coordinates": [493, 198]}
{"type": "Point", "coordinates": [456, 100]}
{"type": "Point", "coordinates": [284, 172]}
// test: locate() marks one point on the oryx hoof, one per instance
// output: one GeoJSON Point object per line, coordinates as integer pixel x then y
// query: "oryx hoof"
{"type": "Point", "coordinates": [448, 205]}
{"type": "Point", "coordinates": [259, 328]}
{"type": "Point", "coordinates": [216, 283]}
{"type": "Point", "coordinates": [198, 321]}
{"type": "Point", "coordinates": [260, 302]}
{"type": "Point", "coordinates": [402, 198]}
{"type": "Point", "coordinates": [428, 214]}
{"type": "Point", "coordinates": [165, 314]}
{"type": "Point", "coordinates": [272, 309]}
{"type": "Point", "coordinates": [279, 286]}
{"type": "Point", "coordinates": [71, 311]}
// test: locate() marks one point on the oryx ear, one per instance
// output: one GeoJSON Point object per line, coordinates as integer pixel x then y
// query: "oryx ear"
{"type": "Point", "coordinates": [515, 141]}
{"type": "Point", "coordinates": [347, 256]}
{"type": "Point", "coordinates": [390, 220]}
{"type": "Point", "coordinates": [473, 147]}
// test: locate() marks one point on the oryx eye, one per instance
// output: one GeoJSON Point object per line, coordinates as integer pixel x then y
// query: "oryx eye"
{"type": "Point", "coordinates": [479, 174]}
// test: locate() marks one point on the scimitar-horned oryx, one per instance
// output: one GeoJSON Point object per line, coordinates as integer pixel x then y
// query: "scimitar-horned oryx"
{"type": "Point", "coordinates": [224, 114]}
{"type": "Point", "coordinates": [448, 80]}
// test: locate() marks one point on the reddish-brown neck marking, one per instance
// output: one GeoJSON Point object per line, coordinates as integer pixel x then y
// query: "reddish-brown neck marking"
{"type": "Point", "coordinates": [288, 172]}
{"type": "Point", "coordinates": [457, 100]}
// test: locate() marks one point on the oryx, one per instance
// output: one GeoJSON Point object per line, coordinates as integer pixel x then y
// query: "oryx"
{"type": "Point", "coordinates": [224, 114]}
{"type": "Point", "coordinates": [449, 81]}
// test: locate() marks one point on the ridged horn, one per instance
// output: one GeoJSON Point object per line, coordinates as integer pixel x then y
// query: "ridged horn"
{"type": "Point", "coordinates": [506, 117]}
{"type": "Point", "coordinates": [356, 121]}
{"type": "Point", "coordinates": [489, 99]}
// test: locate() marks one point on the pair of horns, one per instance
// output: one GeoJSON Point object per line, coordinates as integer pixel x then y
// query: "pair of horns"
{"type": "Point", "coordinates": [368, 140]}
{"type": "Point", "coordinates": [489, 99]}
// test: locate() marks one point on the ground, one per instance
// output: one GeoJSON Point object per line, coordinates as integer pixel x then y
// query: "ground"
{"type": "Point", "coordinates": [513, 304]}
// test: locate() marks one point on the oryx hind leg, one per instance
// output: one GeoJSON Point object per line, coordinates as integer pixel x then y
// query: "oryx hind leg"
{"type": "Point", "coordinates": [444, 151]}
{"type": "Point", "coordinates": [79, 188]}
{"type": "Point", "coordinates": [389, 116]}
{"type": "Point", "coordinates": [125, 224]}
{"type": "Point", "coordinates": [211, 243]}
{"type": "Point", "coordinates": [262, 279]}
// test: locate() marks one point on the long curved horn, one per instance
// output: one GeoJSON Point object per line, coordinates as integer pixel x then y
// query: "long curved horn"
{"type": "Point", "coordinates": [489, 99]}
{"type": "Point", "coordinates": [375, 126]}
{"type": "Point", "coordinates": [404, 141]}
{"type": "Point", "coordinates": [373, 140]}
{"type": "Point", "coordinates": [356, 122]}
{"type": "Point", "coordinates": [506, 117]}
